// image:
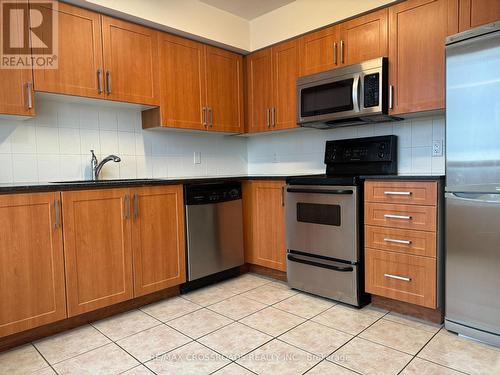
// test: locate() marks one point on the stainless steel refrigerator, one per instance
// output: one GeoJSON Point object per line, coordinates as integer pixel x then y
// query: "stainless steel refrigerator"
{"type": "Point", "coordinates": [473, 183]}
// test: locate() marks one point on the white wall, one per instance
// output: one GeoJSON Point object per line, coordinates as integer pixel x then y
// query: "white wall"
{"type": "Point", "coordinates": [55, 146]}
{"type": "Point", "coordinates": [302, 151]}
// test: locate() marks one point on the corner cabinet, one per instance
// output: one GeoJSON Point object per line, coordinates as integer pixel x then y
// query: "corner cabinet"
{"type": "Point", "coordinates": [271, 88]}
{"type": "Point", "coordinates": [474, 13]}
{"type": "Point", "coordinates": [201, 88]}
{"type": "Point", "coordinates": [32, 288]}
{"type": "Point", "coordinates": [417, 32]}
{"type": "Point", "coordinates": [264, 223]}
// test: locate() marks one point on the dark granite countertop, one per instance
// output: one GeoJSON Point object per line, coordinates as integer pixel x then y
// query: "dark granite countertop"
{"type": "Point", "coordinates": [405, 177]}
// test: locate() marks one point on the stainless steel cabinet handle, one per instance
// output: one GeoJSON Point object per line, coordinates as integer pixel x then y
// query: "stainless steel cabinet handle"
{"type": "Point", "coordinates": [108, 82]}
{"type": "Point", "coordinates": [268, 113]}
{"type": "Point", "coordinates": [335, 53]}
{"type": "Point", "coordinates": [99, 81]}
{"type": "Point", "coordinates": [57, 223]}
{"type": "Point", "coordinates": [391, 88]}
{"type": "Point", "coordinates": [126, 207]}
{"type": "Point", "coordinates": [29, 93]}
{"type": "Point", "coordinates": [136, 206]}
{"type": "Point", "coordinates": [282, 196]}
{"type": "Point", "coordinates": [210, 112]}
{"type": "Point", "coordinates": [204, 116]}
{"type": "Point", "coordinates": [388, 275]}
{"type": "Point", "coordinates": [402, 217]}
{"type": "Point", "coordinates": [404, 242]}
{"type": "Point", "coordinates": [341, 51]}
{"type": "Point", "coordinates": [273, 122]}
{"type": "Point", "coordinates": [397, 192]}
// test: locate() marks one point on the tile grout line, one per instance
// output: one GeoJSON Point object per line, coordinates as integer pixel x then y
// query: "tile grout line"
{"type": "Point", "coordinates": [45, 359]}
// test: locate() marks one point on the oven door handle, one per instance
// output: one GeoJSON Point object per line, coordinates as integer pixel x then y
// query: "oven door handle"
{"type": "Point", "coordinates": [317, 264]}
{"type": "Point", "coordinates": [320, 191]}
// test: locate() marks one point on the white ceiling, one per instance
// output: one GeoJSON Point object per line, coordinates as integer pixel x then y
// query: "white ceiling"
{"type": "Point", "coordinates": [247, 9]}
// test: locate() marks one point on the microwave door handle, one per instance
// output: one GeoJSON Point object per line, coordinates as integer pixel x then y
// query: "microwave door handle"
{"type": "Point", "coordinates": [355, 93]}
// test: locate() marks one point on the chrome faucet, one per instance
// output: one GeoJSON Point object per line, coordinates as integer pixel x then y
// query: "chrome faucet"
{"type": "Point", "coordinates": [96, 166]}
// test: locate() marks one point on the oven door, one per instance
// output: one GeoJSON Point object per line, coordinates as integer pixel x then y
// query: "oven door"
{"type": "Point", "coordinates": [323, 220]}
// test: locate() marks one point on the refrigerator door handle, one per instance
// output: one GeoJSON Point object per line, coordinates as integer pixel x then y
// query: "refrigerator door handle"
{"type": "Point", "coordinates": [474, 197]}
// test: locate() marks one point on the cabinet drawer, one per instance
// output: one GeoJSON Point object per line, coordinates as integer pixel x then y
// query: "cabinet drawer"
{"type": "Point", "coordinates": [407, 278]}
{"type": "Point", "coordinates": [401, 216]}
{"type": "Point", "coordinates": [401, 240]}
{"type": "Point", "coordinates": [405, 192]}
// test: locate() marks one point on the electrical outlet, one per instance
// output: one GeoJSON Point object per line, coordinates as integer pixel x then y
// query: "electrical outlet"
{"type": "Point", "coordinates": [275, 158]}
{"type": "Point", "coordinates": [437, 148]}
{"type": "Point", "coordinates": [197, 157]}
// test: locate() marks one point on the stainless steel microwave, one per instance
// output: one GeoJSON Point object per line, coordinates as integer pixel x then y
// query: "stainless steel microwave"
{"type": "Point", "coordinates": [352, 95]}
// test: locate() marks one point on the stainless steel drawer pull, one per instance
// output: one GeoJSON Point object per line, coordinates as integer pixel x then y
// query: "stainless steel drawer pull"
{"type": "Point", "coordinates": [402, 217]}
{"type": "Point", "coordinates": [397, 192]}
{"type": "Point", "coordinates": [388, 275]}
{"type": "Point", "coordinates": [405, 242]}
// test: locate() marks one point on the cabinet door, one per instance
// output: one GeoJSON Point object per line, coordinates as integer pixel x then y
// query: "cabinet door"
{"type": "Point", "coordinates": [475, 13]}
{"type": "Point", "coordinates": [31, 262]}
{"type": "Point", "coordinates": [224, 74]}
{"type": "Point", "coordinates": [265, 224]}
{"type": "Point", "coordinates": [130, 62]}
{"type": "Point", "coordinates": [182, 80]}
{"type": "Point", "coordinates": [286, 71]}
{"type": "Point", "coordinates": [319, 51]}
{"type": "Point", "coordinates": [364, 38]}
{"type": "Point", "coordinates": [16, 82]}
{"type": "Point", "coordinates": [417, 30]}
{"type": "Point", "coordinates": [259, 90]}
{"type": "Point", "coordinates": [79, 55]}
{"type": "Point", "coordinates": [97, 247]}
{"type": "Point", "coordinates": [158, 238]}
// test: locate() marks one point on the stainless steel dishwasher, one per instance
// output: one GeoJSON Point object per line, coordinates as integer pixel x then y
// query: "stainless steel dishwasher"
{"type": "Point", "coordinates": [214, 228]}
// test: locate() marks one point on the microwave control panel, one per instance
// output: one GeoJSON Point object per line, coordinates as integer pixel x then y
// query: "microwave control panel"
{"type": "Point", "coordinates": [371, 90]}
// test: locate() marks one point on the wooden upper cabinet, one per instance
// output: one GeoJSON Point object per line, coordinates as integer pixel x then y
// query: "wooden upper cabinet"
{"type": "Point", "coordinates": [97, 247]}
{"type": "Point", "coordinates": [32, 288]}
{"type": "Point", "coordinates": [417, 32]}
{"type": "Point", "coordinates": [475, 13]}
{"type": "Point", "coordinates": [224, 84]}
{"type": "Point", "coordinates": [364, 38]}
{"type": "Point", "coordinates": [286, 72]}
{"type": "Point", "coordinates": [79, 55]}
{"type": "Point", "coordinates": [320, 50]}
{"type": "Point", "coordinates": [130, 62]}
{"type": "Point", "coordinates": [158, 238]}
{"type": "Point", "coordinates": [259, 90]}
{"type": "Point", "coordinates": [17, 83]}
{"type": "Point", "coordinates": [264, 223]}
{"type": "Point", "coordinates": [182, 80]}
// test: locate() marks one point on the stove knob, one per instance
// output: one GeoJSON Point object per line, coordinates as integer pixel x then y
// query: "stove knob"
{"type": "Point", "coordinates": [381, 155]}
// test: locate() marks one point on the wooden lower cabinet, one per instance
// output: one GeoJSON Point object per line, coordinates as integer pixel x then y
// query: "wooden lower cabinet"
{"type": "Point", "coordinates": [32, 289]}
{"type": "Point", "coordinates": [97, 247]}
{"type": "Point", "coordinates": [158, 238]}
{"type": "Point", "coordinates": [264, 224]}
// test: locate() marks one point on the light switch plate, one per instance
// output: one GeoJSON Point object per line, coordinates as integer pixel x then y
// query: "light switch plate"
{"type": "Point", "coordinates": [437, 148]}
{"type": "Point", "coordinates": [197, 157]}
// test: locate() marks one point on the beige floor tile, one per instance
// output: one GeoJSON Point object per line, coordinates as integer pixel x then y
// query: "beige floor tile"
{"type": "Point", "coordinates": [120, 326]}
{"type": "Point", "coordinates": [139, 370]}
{"type": "Point", "coordinates": [369, 358]}
{"type": "Point", "coordinates": [243, 283]}
{"type": "Point", "coordinates": [278, 358]}
{"type": "Point", "coordinates": [304, 305]}
{"type": "Point", "coordinates": [272, 321]}
{"type": "Point", "coordinates": [190, 359]}
{"type": "Point", "coordinates": [329, 368]}
{"type": "Point", "coordinates": [21, 360]}
{"type": "Point", "coordinates": [233, 369]}
{"type": "Point", "coordinates": [199, 323]}
{"type": "Point", "coordinates": [397, 336]}
{"type": "Point", "coordinates": [208, 295]}
{"type": "Point", "coordinates": [462, 354]}
{"type": "Point", "coordinates": [44, 371]}
{"type": "Point", "coordinates": [235, 340]}
{"type": "Point", "coordinates": [280, 285]}
{"type": "Point", "coordinates": [171, 308]}
{"type": "Point", "coordinates": [237, 307]}
{"type": "Point", "coordinates": [108, 359]}
{"type": "Point", "coordinates": [69, 344]}
{"type": "Point", "coordinates": [152, 342]}
{"type": "Point", "coordinates": [316, 338]}
{"type": "Point", "coordinates": [413, 322]}
{"type": "Point", "coordinates": [348, 319]}
{"type": "Point", "coordinates": [420, 367]}
{"type": "Point", "coordinates": [268, 294]}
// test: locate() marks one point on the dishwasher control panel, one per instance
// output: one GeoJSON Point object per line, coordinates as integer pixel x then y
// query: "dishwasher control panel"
{"type": "Point", "coordinates": [211, 193]}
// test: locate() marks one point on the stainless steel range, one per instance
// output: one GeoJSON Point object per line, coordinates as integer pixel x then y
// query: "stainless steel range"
{"type": "Point", "coordinates": [324, 216]}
